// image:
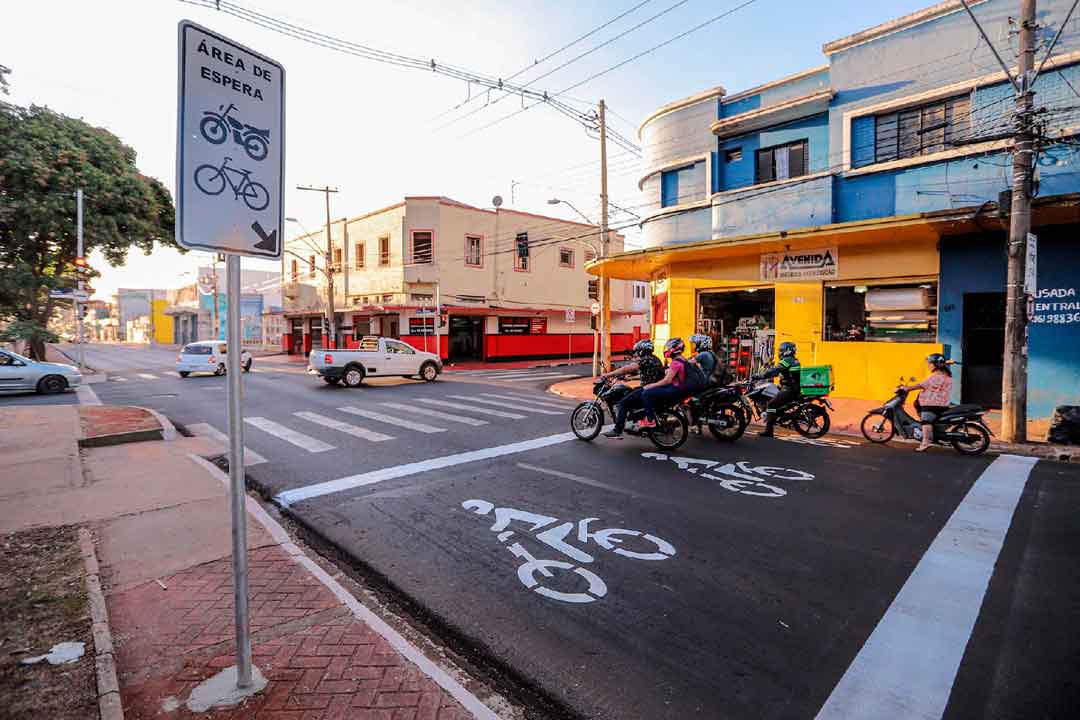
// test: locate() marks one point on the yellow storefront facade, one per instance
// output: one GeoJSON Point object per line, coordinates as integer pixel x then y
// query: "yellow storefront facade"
{"type": "Point", "coordinates": [717, 286]}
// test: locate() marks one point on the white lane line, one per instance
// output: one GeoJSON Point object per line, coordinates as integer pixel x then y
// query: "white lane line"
{"type": "Point", "coordinates": [147, 376]}
{"type": "Point", "coordinates": [908, 665]}
{"type": "Point", "coordinates": [502, 403]}
{"type": "Point", "coordinates": [289, 435]}
{"type": "Point", "coordinates": [86, 395]}
{"type": "Point", "coordinates": [119, 379]}
{"type": "Point", "coordinates": [584, 480]}
{"type": "Point", "coordinates": [206, 430]}
{"type": "Point", "coordinates": [290, 497]}
{"type": "Point", "coordinates": [343, 427]}
{"type": "Point", "coordinates": [391, 420]}
{"type": "Point", "coordinates": [472, 408]}
{"type": "Point", "coordinates": [504, 374]}
{"type": "Point", "coordinates": [435, 413]}
{"type": "Point", "coordinates": [543, 402]}
{"type": "Point", "coordinates": [537, 377]}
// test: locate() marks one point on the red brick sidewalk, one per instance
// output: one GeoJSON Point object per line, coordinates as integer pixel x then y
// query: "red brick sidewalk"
{"type": "Point", "coordinates": [322, 663]}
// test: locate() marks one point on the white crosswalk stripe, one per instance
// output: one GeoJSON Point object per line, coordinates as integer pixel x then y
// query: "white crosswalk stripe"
{"type": "Point", "coordinates": [147, 376]}
{"type": "Point", "coordinates": [471, 408]}
{"type": "Point", "coordinates": [502, 404]}
{"type": "Point", "coordinates": [289, 435]}
{"type": "Point", "coordinates": [435, 413]}
{"type": "Point", "coordinates": [544, 402]}
{"type": "Point", "coordinates": [205, 430]}
{"type": "Point", "coordinates": [537, 377]}
{"type": "Point", "coordinates": [343, 427]}
{"type": "Point", "coordinates": [392, 420]}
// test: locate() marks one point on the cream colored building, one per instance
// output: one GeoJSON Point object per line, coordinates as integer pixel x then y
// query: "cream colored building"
{"type": "Point", "coordinates": [504, 282]}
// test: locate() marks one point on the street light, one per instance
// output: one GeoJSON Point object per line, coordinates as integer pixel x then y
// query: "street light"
{"type": "Point", "coordinates": [557, 201]}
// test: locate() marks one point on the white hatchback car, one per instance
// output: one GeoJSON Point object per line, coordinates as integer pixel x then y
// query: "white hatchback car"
{"type": "Point", "coordinates": [207, 356]}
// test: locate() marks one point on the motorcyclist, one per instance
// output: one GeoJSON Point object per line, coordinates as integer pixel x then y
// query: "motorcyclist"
{"type": "Point", "coordinates": [704, 357]}
{"type": "Point", "coordinates": [670, 388]}
{"type": "Point", "coordinates": [934, 393]}
{"type": "Point", "coordinates": [788, 371]}
{"type": "Point", "coordinates": [650, 369]}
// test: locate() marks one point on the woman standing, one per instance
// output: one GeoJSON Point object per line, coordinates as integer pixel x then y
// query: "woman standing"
{"type": "Point", "coordinates": [934, 394]}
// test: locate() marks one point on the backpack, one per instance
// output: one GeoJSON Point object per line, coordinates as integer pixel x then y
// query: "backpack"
{"type": "Point", "coordinates": [694, 378]}
{"type": "Point", "coordinates": [719, 373]}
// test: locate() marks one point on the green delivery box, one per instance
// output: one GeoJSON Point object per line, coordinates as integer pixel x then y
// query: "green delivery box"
{"type": "Point", "coordinates": [815, 380]}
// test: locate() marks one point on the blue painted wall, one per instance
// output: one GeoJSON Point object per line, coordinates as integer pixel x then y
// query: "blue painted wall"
{"type": "Point", "coordinates": [739, 174]}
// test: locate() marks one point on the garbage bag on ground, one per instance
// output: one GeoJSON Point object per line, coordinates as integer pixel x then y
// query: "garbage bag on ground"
{"type": "Point", "coordinates": [1065, 427]}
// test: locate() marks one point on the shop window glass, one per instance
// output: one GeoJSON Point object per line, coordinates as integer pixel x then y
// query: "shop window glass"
{"type": "Point", "coordinates": [881, 313]}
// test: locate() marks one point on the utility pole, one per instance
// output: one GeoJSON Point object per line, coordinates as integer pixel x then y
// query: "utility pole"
{"type": "Point", "coordinates": [329, 265]}
{"type": "Point", "coordinates": [605, 282]}
{"type": "Point", "coordinates": [79, 270]}
{"type": "Point", "coordinates": [214, 315]}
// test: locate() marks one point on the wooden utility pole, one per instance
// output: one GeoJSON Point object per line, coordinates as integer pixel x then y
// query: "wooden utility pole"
{"type": "Point", "coordinates": [1014, 375]}
{"type": "Point", "coordinates": [605, 282]}
{"type": "Point", "coordinates": [330, 342]}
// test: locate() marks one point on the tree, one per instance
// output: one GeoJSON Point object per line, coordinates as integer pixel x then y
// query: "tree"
{"type": "Point", "coordinates": [44, 158]}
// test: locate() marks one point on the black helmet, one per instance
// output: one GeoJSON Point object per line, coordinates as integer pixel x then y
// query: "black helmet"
{"type": "Point", "coordinates": [787, 349]}
{"type": "Point", "coordinates": [674, 346]}
{"type": "Point", "coordinates": [642, 348]}
{"type": "Point", "coordinates": [937, 360]}
{"type": "Point", "coordinates": [701, 342]}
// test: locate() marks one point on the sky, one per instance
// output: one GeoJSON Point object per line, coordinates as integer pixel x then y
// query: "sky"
{"type": "Point", "coordinates": [379, 132]}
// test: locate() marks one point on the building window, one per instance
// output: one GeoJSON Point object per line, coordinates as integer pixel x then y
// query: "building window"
{"type": "Point", "coordinates": [337, 260]}
{"type": "Point", "coordinates": [295, 268]}
{"type": "Point", "coordinates": [388, 298]}
{"type": "Point", "coordinates": [781, 162]}
{"type": "Point", "coordinates": [311, 266]}
{"type": "Point", "coordinates": [359, 259]}
{"type": "Point", "coordinates": [566, 258]}
{"type": "Point", "coordinates": [881, 313]}
{"type": "Point", "coordinates": [682, 185]}
{"type": "Point", "coordinates": [473, 250]}
{"type": "Point", "coordinates": [640, 292]}
{"type": "Point", "coordinates": [421, 246]}
{"type": "Point", "coordinates": [521, 256]}
{"type": "Point", "coordinates": [589, 256]}
{"type": "Point", "coordinates": [733, 155]}
{"type": "Point", "coordinates": [422, 298]}
{"type": "Point", "coordinates": [922, 130]}
{"type": "Point", "coordinates": [384, 251]}
{"type": "Point", "coordinates": [594, 289]}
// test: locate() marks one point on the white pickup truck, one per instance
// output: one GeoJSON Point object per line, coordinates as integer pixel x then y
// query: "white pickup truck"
{"type": "Point", "coordinates": [376, 357]}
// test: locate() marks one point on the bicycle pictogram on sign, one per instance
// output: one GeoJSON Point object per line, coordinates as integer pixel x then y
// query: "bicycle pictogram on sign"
{"type": "Point", "coordinates": [212, 181]}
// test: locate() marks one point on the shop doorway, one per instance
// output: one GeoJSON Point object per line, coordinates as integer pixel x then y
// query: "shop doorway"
{"type": "Point", "coordinates": [316, 325]}
{"type": "Point", "coordinates": [297, 337]}
{"type": "Point", "coordinates": [983, 346]}
{"type": "Point", "coordinates": [742, 326]}
{"type": "Point", "coordinates": [466, 338]}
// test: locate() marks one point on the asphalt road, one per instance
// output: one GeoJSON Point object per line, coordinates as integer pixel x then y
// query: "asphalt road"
{"type": "Point", "coordinates": [766, 579]}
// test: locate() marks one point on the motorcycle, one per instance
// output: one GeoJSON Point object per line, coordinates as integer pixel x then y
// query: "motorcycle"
{"type": "Point", "coordinates": [721, 409]}
{"type": "Point", "coordinates": [215, 128]}
{"type": "Point", "coordinates": [587, 419]}
{"type": "Point", "coordinates": [961, 426]}
{"type": "Point", "coordinates": [805, 415]}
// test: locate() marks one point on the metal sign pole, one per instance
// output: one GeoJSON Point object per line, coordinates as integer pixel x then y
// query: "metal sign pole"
{"type": "Point", "coordinates": [79, 253]}
{"type": "Point", "coordinates": [237, 494]}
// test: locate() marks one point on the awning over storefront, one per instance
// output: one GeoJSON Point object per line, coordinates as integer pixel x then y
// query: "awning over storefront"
{"type": "Point", "coordinates": [642, 264]}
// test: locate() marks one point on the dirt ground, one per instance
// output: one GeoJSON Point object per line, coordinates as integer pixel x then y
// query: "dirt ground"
{"type": "Point", "coordinates": [43, 597]}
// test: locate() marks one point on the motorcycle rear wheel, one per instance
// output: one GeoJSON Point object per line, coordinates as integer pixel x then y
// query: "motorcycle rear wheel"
{"type": "Point", "coordinates": [811, 421]}
{"type": "Point", "coordinates": [733, 419]}
{"type": "Point", "coordinates": [671, 430]}
{"type": "Point", "coordinates": [587, 420]}
{"type": "Point", "coordinates": [977, 439]}
{"type": "Point", "coordinates": [876, 431]}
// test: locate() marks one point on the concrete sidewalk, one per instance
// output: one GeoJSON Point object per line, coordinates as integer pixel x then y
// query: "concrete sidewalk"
{"type": "Point", "coordinates": [159, 513]}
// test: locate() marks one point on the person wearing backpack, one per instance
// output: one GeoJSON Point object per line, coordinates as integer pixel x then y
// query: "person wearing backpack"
{"type": "Point", "coordinates": [680, 380]}
{"type": "Point", "coordinates": [706, 359]}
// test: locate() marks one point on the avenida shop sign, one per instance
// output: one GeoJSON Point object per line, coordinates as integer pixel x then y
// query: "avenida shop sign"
{"type": "Point", "coordinates": [809, 264]}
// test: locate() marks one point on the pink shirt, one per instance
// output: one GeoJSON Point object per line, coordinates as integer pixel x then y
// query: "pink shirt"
{"type": "Point", "coordinates": [936, 390]}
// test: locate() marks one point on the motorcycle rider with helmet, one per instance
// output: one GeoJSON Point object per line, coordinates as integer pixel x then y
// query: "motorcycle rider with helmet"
{"type": "Point", "coordinates": [649, 367]}
{"type": "Point", "coordinates": [788, 371]}
{"type": "Point", "coordinates": [934, 394]}
{"type": "Point", "coordinates": [670, 388]}
{"type": "Point", "coordinates": [704, 357]}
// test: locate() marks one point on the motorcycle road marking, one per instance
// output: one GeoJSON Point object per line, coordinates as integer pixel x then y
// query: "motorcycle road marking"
{"type": "Point", "coordinates": [392, 420]}
{"type": "Point", "coordinates": [522, 398]}
{"type": "Point", "coordinates": [908, 665]}
{"type": "Point", "coordinates": [343, 427]}
{"type": "Point", "coordinates": [290, 497]}
{"type": "Point", "coordinates": [470, 408]}
{"type": "Point", "coordinates": [289, 435]}
{"type": "Point", "coordinates": [206, 430]}
{"type": "Point", "coordinates": [435, 414]}
{"type": "Point", "coordinates": [500, 403]}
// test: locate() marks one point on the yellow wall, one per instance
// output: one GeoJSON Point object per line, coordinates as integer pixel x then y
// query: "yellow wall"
{"type": "Point", "coordinates": [163, 324]}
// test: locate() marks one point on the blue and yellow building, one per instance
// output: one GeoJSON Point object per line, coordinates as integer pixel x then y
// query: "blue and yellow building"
{"type": "Point", "coordinates": [859, 208]}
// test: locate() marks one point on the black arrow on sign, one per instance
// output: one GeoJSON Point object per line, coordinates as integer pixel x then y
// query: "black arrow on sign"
{"type": "Point", "coordinates": [268, 242]}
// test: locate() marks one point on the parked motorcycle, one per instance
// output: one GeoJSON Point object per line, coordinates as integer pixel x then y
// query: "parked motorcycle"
{"type": "Point", "coordinates": [588, 419]}
{"type": "Point", "coordinates": [215, 128]}
{"type": "Point", "coordinates": [807, 416]}
{"type": "Point", "coordinates": [961, 426]}
{"type": "Point", "coordinates": [722, 410]}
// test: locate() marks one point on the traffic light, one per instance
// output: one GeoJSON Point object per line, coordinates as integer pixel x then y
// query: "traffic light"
{"type": "Point", "coordinates": [81, 266]}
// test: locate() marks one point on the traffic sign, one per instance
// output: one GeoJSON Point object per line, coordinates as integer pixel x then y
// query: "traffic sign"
{"type": "Point", "coordinates": [230, 146]}
{"type": "Point", "coordinates": [595, 308]}
{"type": "Point", "coordinates": [76, 295]}
{"type": "Point", "coordinates": [570, 316]}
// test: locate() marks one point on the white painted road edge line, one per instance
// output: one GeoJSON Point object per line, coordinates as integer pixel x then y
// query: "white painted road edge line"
{"type": "Point", "coordinates": [291, 497]}
{"type": "Point", "coordinates": [409, 651]}
{"type": "Point", "coordinates": [909, 663]}
{"type": "Point", "coordinates": [86, 395]}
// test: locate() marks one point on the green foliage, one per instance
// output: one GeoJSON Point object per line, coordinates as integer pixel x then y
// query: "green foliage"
{"type": "Point", "coordinates": [30, 331]}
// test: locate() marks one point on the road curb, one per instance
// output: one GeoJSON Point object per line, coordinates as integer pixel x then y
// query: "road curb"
{"type": "Point", "coordinates": [168, 430]}
{"type": "Point", "coordinates": [121, 438]}
{"type": "Point", "coordinates": [108, 687]}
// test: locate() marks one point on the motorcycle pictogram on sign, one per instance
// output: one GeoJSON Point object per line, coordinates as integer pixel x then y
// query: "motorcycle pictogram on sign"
{"type": "Point", "coordinates": [215, 127]}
